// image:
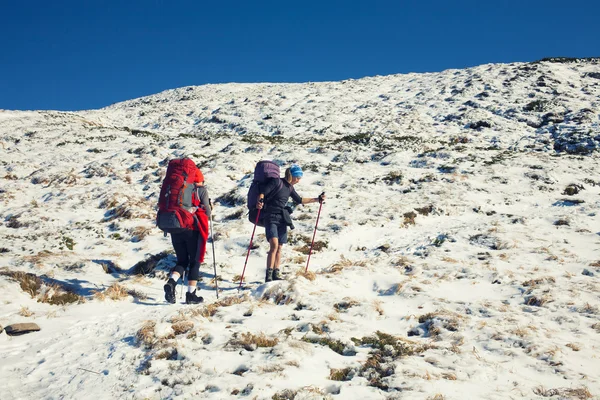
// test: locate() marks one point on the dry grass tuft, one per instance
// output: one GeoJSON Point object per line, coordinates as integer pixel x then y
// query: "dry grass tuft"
{"type": "Point", "coordinates": [130, 208]}
{"type": "Point", "coordinates": [538, 281]}
{"type": "Point", "coordinates": [596, 326]}
{"type": "Point", "coordinates": [269, 369]}
{"type": "Point", "coordinates": [574, 346]}
{"type": "Point", "coordinates": [335, 345]}
{"type": "Point", "coordinates": [279, 296]}
{"type": "Point", "coordinates": [285, 394]}
{"type": "Point", "coordinates": [318, 245]}
{"type": "Point", "coordinates": [251, 342]}
{"type": "Point", "coordinates": [182, 327]}
{"type": "Point", "coordinates": [449, 376]}
{"type": "Point", "coordinates": [595, 264]}
{"type": "Point", "coordinates": [211, 309]}
{"type": "Point", "coordinates": [136, 294]}
{"type": "Point", "coordinates": [113, 292]}
{"type": "Point", "coordinates": [449, 260]}
{"type": "Point", "coordinates": [169, 354]}
{"type": "Point", "coordinates": [343, 306]}
{"type": "Point", "coordinates": [344, 263]}
{"type": "Point", "coordinates": [30, 283]}
{"type": "Point", "coordinates": [392, 346]}
{"type": "Point", "coordinates": [309, 275]}
{"type": "Point", "coordinates": [581, 393]}
{"type": "Point", "coordinates": [401, 261]}
{"type": "Point", "coordinates": [394, 289]}
{"type": "Point", "coordinates": [148, 265]}
{"type": "Point", "coordinates": [537, 301]}
{"type": "Point", "coordinates": [139, 233]}
{"type": "Point", "coordinates": [52, 293]}
{"type": "Point", "coordinates": [39, 258]}
{"type": "Point", "coordinates": [434, 322]}
{"type": "Point", "coordinates": [298, 260]}
{"type": "Point", "coordinates": [25, 312]}
{"type": "Point", "coordinates": [146, 334]}
{"type": "Point", "coordinates": [588, 308]}
{"type": "Point", "coordinates": [520, 331]}
{"type": "Point", "coordinates": [409, 219]}
{"type": "Point", "coordinates": [377, 306]}
{"type": "Point", "coordinates": [437, 396]}
{"type": "Point", "coordinates": [343, 374]}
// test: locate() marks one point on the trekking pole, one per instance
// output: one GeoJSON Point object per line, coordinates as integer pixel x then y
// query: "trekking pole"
{"type": "Point", "coordinates": [182, 285]}
{"type": "Point", "coordinates": [249, 248]}
{"type": "Point", "coordinates": [314, 233]}
{"type": "Point", "coordinates": [212, 239]}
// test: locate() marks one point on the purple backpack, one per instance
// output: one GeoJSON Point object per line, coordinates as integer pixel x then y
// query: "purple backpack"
{"type": "Point", "coordinates": [263, 171]}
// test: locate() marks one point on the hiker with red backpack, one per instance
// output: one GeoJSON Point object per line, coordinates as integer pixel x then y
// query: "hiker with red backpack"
{"type": "Point", "coordinates": [271, 201]}
{"type": "Point", "coordinates": [183, 211]}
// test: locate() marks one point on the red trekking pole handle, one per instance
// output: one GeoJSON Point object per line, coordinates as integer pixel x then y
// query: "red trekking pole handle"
{"type": "Point", "coordinates": [315, 232]}
{"type": "Point", "coordinates": [249, 248]}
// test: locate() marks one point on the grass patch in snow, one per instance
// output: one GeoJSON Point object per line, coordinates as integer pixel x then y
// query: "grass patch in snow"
{"type": "Point", "coordinates": [52, 293]}
{"type": "Point", "coordinates": [148, 265]}
{"type": "Point", "coordinates": [570, 393]}
{"type": "Point", "coordinates": [114, 292]}
{"type": "Point", "coordinates": [250, 341]}
{"type": "Point", "coordinates": [342, 374]}
{"type": "Point", "coordinates": [344, 263]}
{"type": "Point", "coordinates": [211, 309]}
{"type": "Point", "coordinates": [334, 344]}
{"type": "Point", "coordinates": [345, 305]}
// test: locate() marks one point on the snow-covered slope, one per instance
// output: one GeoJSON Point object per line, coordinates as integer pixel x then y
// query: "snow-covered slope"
{"type": "Point", "coordinates": [457, 255]}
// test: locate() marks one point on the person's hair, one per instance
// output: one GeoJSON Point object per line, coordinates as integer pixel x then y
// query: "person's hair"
{"type": "Point", "coordinates": [288, 175]}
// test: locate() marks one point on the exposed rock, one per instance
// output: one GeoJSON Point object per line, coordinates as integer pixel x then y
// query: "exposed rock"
{"type": "Point", "coordinates": [574, 140]}
{"type": "Point", "coordinates": [488, 241]}
{"type": "Point", "coordinates": [21, 329]}
{"type": "Point", "coordinates": [479, 125]}
{"type": "Point", "coordinates": [573, 189]}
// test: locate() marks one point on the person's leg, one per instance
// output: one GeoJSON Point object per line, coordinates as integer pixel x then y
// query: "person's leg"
{"type": "Point", "coordinates": [278, 257]}
{"type": "Point", "coordinates": [178, 241]}
{"type": "Point", "coordinates": [194, 268]}
{"type": "Point", "coordinates": [192, 240]}
{"type": "Point", "coordinates": [282, 239]}
{"type": "Point", "coordinates": [272, 237]}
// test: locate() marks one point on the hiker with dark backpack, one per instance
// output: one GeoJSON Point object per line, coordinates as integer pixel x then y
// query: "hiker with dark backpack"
{"type": "Point", "coordinates": [273, 195]}
{"type": "Point", "coordinates": [184, 209]}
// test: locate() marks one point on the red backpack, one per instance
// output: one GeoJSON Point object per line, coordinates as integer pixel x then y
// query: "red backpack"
{"type": "Point", "coordinates": [175, 204]}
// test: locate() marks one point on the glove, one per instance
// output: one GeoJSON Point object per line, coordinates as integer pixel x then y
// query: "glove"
{"type": "Point", "coordinates": [322, 197]}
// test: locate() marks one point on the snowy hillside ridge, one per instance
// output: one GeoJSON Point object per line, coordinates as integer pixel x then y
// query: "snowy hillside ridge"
{"type": "Point", "coordinates": [543, 103]}
{"type": "Point", "coordinates": [456, 257]}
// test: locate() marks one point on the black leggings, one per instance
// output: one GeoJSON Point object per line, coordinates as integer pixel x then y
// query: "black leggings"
{"type": "Point", "coordinates": [186, 248]}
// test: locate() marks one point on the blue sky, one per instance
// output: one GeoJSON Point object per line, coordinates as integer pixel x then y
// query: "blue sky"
{"type": "Point", "coordinates": [73, 55]}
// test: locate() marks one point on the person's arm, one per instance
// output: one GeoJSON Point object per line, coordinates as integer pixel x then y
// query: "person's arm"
{"type": "Point", "coordinates": [306, 200]}
{"type": "Point", "coordinates": [267, 187]}
{"type": "Point", "coordinates": [204, 200]}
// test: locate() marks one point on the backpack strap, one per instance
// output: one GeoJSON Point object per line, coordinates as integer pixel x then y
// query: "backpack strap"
{"type": "Point", "coordinates": [275, 191]}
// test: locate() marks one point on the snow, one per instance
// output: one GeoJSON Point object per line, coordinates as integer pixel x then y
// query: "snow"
{"type": "Point", "coordinates": [485, 282]}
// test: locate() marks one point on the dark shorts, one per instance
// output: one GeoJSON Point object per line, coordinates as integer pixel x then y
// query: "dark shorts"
{"type": "Point", "coordinates": [277, 230]}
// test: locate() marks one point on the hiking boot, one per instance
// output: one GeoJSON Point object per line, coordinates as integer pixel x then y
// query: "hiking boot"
{"type": "Point", "coordinates": [170, 291]}
{"type": "Point", "coordinates": [276, 276]}
{"type": "Point", "coordinates": [269, 275]}
{"type": "Point", "coordinates": [192, 298]}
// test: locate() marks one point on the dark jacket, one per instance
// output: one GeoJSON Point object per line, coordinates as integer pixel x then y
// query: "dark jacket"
{"type": "Point", "coordinates": [276, 200]}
